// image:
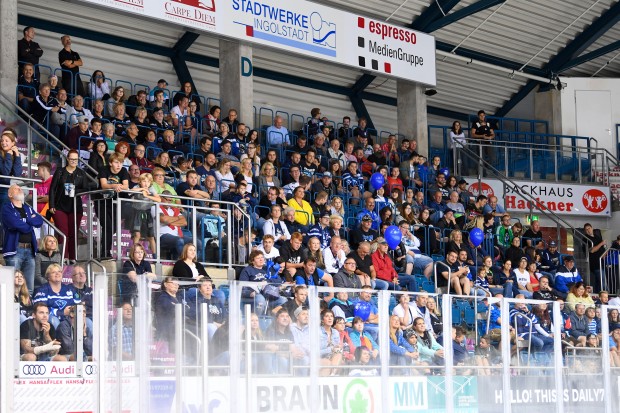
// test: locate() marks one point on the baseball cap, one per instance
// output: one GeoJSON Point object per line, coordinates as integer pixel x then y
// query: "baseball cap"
{"type": "Point", "coordinates": [82, 119]}
{"type": "Point", "coordinates": [462, 181]}
{"type": "Point", "coordinates": [327, 174]}
{"type": "Point", "coordinates": [325, 214]}
{"type": "Point", "coordinates": [553, 244]}
{"type": "Point", "coordinates": [362, 133]}
{"type": "Point", "coordinates": [448, 210]}
{"type": "Point", "coordinates": [298, 311]}
{"type": "Point", "coordinates": [366, 218]}
{"type": "Point", "coordinates": [569, 258]}
{"type": "Point", "coordinates": [381, 240]}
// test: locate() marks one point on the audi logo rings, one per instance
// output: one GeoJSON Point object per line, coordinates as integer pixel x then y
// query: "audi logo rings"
{"type": "Point", "coordinates": [34, 369]}
{"type": "Point", "coordinates": [90, 369]}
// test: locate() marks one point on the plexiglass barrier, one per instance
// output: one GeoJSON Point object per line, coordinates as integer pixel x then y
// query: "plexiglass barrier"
{"type": "Point", "coordinates": [185, 346]}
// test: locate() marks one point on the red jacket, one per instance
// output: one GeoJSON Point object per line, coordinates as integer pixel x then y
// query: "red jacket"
{"type": "Point", "coordinates": [383, 266]}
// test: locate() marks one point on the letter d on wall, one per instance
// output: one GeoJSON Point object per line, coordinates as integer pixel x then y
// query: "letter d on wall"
{"type": "Point", "coordinates": [246, 67]}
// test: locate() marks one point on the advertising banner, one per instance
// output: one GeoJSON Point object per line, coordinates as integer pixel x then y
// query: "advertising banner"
{"type": "Point", "coordinates": [538, 394]}
{"type": "Point", "coordinates": [335, 394]}
{"type": "Point", "coordinates": [304, 28]}
{"type": "Point", "coordinates": [560, 198]}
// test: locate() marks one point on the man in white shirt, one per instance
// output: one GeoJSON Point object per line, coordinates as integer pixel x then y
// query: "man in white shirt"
{"type": "Point", "coordinates": [334, 256]}
{"type": "Point", "coordinates": [180, 110]}
{"type": "Point", "coordinates": [269, 251]}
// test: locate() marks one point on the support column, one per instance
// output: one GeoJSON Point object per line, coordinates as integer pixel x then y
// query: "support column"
{"type": "Point", "coordinates": [8, 47]}
{"type": "Point", "coordinates": [548, 106]}
{"type": "Point", "coordinates": [412, 113]}
{"type": "Point", "coordinates": [237, 80]}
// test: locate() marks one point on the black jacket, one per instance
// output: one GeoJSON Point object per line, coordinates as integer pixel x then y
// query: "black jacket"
{"type": "Point", "coordinates": [57, 198]}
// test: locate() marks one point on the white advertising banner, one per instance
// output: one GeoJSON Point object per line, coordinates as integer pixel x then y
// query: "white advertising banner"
{"type": "Point", "coordinates": [305, 28]}
{"type": "Point", "coordinates": [562, 199]}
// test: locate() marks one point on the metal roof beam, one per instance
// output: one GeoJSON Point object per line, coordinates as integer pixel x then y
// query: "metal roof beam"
{"type": "Point", "coordinates": [467, 11]}
{"type": "Point", "coordinates": [432, 13]}
{"type": "Point", "coordinates": [355, 96]}
{"type": "Point", "coordinates": [486, 58]}
{"type": "Point", "coordinates": [586, 38]}
{"type": "Point", "coordinates": [178, 58]}
{"type": "Point", "coordinates": [362, 83]}
{"type": "Point", "coordinates": [601, 51]}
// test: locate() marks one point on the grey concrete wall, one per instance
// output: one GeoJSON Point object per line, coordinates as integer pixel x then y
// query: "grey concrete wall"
{"type": "Point", "coordinates": [236, 90]}
{"type": "Point", "coordinates": [8, 47]}
{"type": "Point", "coordinates": [412, 113]}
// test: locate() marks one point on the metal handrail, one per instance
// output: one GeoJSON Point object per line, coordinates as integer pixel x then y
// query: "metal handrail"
{"type": "Point", "coordinates": [57, 142]}
{"type": "Point", "coordinates": [233, 205]}
{"type": "Point", "coordinates": [609, 271]}
{"type": "Point", "coordinates": [483, 164]}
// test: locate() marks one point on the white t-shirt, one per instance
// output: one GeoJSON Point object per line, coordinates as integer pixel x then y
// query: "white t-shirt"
{"type": "Point", "coordinates": [523, 278]}
{"type": "Point", "coordinates": [274, 253]}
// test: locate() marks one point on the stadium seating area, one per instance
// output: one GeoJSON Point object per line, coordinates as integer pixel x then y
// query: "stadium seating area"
{"type": "Point", "coordinates": [372, 214]}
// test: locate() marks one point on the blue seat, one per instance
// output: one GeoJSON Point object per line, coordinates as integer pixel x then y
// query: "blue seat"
{"type": "Point", "coordinates": [428, 286]}
{"type": "Point", "coordinates": [456, 316]}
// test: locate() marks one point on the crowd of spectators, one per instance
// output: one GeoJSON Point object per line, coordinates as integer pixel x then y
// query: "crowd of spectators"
{"type": "Point", "coordinates": [315, 220]}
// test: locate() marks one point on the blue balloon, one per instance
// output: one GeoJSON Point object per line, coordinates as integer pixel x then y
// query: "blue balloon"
{"type": "Point", "coordinates": [476, 236]}
{"type": "Point", "coordinates": [393, 236]}
{"type": "Point", "coordinates": [445, 171]}
{"type": "Point", "coordinates": [362, 310]}
{"type": "Point", "coordinates": [377, 180]}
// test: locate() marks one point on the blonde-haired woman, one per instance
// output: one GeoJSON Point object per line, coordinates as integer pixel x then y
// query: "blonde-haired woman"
{"type": "Point", "coordinates": [48, 254]}
{"type": "Point", "coordinates": [337, 206]}
{"type": "Point", "coordinates": [188, 266]}
{"type": "Point", "coordinates": [267, 178]}
{"type": "Point", "coordinates": [252, 155]}
{"type": "Point", "coordinates": [22, 296]}
{"type": "Point", "coordinates": [142, 222]}
{"type": "Point", "coordinates": [224, 176]}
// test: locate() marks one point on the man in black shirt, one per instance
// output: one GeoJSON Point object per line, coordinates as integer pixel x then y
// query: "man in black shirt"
{"type": "Point", "coordinates": [292, 253]}
{"type": "Point", "coordinates": [378, 157]}
{"type": "Point", "coordinates": [365, 233]}
{"type": "Point", "coordinates": [70, 62]}
{"type": "Point", "coordinates": [595, 251]}
{"type": "Point", "coordinates": [325, 184]}
{"type": "Point", "coordinates": [29, 51]}
{"type": "Point", "coordinates": [309, 165]}
{"type": "Point", "coordinates": [365, 270]}
{"type": "Point", "coordinates": [37, 337]}
{"type": "Point", "coordinates": [533, 237]}
{"type": "Point", "coordinates": [453, 274]}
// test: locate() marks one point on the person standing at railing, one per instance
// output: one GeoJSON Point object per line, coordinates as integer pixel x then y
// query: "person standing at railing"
{"type": "Point", "coordinates": [29, 51]}
{"type": "Point", "coordinates": [70, 62]}
{"type": "Point", "coordinates": [67, 184]}
{"type": "Point", "coordinates": [482, 131]}
{"type": "Point", "coordinates": [595, 250]}
{"type": "Point", "coordinates": [114, 178]}
{"type": "Point", "coordinates": [20, 243]}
